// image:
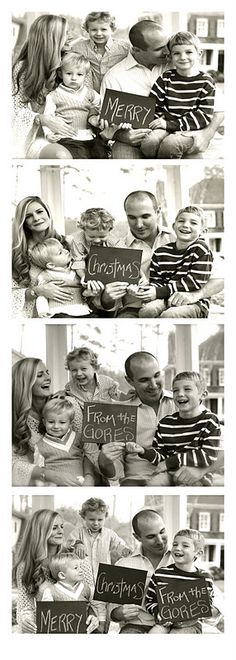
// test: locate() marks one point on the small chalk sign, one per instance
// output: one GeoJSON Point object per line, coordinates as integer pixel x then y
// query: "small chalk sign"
{"type": "Point", "coordinates": [61, 617]}
{"type": "Point", "coordinates": [182, 599]}
{"type": "Point", "coordinates": [109, 422]}
{"type": "Point", "coordinates": [116, 584]}
{"type": "Point", "coordinates": [109, 264]}
{"type": "Point", "coordinates": [123, 107]}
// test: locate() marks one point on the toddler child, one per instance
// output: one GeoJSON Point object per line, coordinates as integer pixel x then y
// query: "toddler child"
{"type": "Point", "coordinates": [189, 437]}
{"type": "Point", "coordinates": [187, 546]}
{"type": "Point", "coordinates": [61, 447]}
{"type": "Point", "coordinates": [56, 264]}
{"type": "Point", "coordinates": [101, 49]}
{"type": "Point", "coordinates": [181, 266]}
{"type": "Point", "coordinates": [184, 99]}
{"type": "Point", "coordinates": [65, 568]}
{"type": "Point", "coordinates": [75, 101]}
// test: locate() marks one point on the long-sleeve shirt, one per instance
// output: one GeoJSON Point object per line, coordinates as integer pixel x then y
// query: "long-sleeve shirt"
{"type": "Point", "coordinates": [99, 548]}
{"type": "Point", "coordinates": [115, 51]}
{"type": "Point", "coordinates": [173, 572]}
{"type": "Point", "coordinates": [191, 442]}
{"type": "Point", "coordinates": [187, 103]}
{"type": "Point", "coordinates": [174, 270]}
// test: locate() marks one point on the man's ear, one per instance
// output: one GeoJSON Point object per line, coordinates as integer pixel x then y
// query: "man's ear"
{"type": "Point", "coordinates": [136, 536]}
{"type": "Point", "coordinates": [129, 380]}
{"type": "Point", "coordinates": [50, 265]}
{"type": "Point", "coordinates": [61, 575]}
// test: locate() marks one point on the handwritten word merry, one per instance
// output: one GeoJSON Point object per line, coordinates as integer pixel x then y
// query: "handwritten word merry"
{"type": "Point", "coordinates": [128, 113]}
{"type": "Point", "coordinates": [62, 623]}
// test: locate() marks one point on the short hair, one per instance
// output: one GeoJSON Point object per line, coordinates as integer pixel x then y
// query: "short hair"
{"type": "Point", "coordinates": [40, 253]}
{"type": "Point", "coordinates": [59, 406]}
{"type": "Point", "coordinates": [193, 534]}
{"type": "Point", "coordinates": [181, 38]}
{"type": "Point", "coordinates": [93, 504]}
{"type": "Point", "coordinates": [197, 210]}
{"type": "Point", "coordinates": [136, 356]}
{"type": "Point", "coordinates": [100, 16]}
{"type": "Point", "coordinates": [82, 353]}
{"type": "Point", "coordinates": [191, 375]}
{"type": "Point", "coordinates": [144, 514]}
{"type": "Point", "coordinates": [59, 562]}
{"type": "Point", "coordinates": [96, 218]}
{"type": "Point", "coordinates": [138, 30]}
{"type": "Point", "coordinates": [75, 59]}
{"type": "Point", "coordinates": [143, 193]}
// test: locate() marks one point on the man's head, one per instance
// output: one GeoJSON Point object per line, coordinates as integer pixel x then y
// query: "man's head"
{"type": "Point", "coordinates": [143, 373]}
{"type": "Point", "coordinates": [149, 43]}
{"type": "Point", "coordinates": [149, 529]}
{"type": "Point", "coordinates": [143, 214]}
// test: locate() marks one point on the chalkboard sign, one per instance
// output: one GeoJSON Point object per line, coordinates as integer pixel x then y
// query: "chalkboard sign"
{"type": "Point", "coordinates": [109, 264]}
{"type": "Point", "coordinates": [182, 599]}
{"type": "Point", "coordinates": [61, 617]}
{"type": "Point", "coordinates": [116, 584]}
{"type": "Point", "coordinates": [122, 107]}
{"type": "Point", "coordinates": [109, 422]}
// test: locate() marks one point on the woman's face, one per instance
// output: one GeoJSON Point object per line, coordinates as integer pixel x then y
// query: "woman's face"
{"type": "Point", "coordinates": [41, 387]}
{"type": "Point", "coordinates": [57, 532]}
{"type": "Point", "coordinates": [36, 217]}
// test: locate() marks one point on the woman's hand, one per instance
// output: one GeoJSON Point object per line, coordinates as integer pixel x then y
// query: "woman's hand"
{"type": "Point", "coordinates": [54, 291]}
{"type": "Point", "coordinates": [28, 624]}
{"type": "Point", "coordinates": [58, 125]}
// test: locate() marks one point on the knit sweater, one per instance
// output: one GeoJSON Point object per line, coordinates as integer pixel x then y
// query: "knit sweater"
{"type": "Point", "coordinates": [76, 105]}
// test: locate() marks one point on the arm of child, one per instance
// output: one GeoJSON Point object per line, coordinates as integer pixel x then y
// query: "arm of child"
{"type": "Point", "coordinates": [204, 448]}
{"type": "Point", "coordinates": [151, 598]}
{"type": "Point", "coordinates": [199, 271]}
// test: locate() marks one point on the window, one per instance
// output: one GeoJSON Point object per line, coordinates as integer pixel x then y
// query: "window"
{"type": "Point", "coordinates": [221, 522]}
{"type": "Point", "coordinates": [210, 218]}
{"type": "Point", "coordinates": [202, 27]}
{"type": "Point", "coordinates": [204, 524]}
{"type": "Point", "coordinates": [206, 374]}
{"type": "Point", "coordinates": [220, 29]}
{"type": "Point", "coordinates": [221, 376]}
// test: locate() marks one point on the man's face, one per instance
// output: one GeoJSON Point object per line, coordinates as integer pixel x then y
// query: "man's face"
{"type": "Point", "coordinates": [146, 379]}
{"type": "Point", "coordinates": [156, 52]}
{"type": "Point", "coordinates": [153, 535]}
{"type": "Point", "coordinates": [142, 218]}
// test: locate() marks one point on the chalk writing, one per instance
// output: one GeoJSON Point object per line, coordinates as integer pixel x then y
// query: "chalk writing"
{"type": "Point", "coordinates": [119, 107]}
{"type": "Point", "coordinates": [182, 599]}
{"type": "Point", "coordinates": [61, 617]}
{"type": "Point", "coordinates": [116, 584]}
{"type": "Point", "coordinates": [109, 422]}
{"type": "Point", "coordinates": [113, 264]}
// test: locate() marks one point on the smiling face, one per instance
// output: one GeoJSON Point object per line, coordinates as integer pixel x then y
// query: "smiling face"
{"type": "Point", "coordinates": [188, 227]}
{"type": "Point", "coordinates": [57, 424]}
{"type": "Point", "coordinates": [99, 31]}
{"type": "Point", "coordinates": [36, 217]}
{"type": "Point", "coordinates": [59, 256]}
{"type": "Point", "coordinates": [71, 572]}
{"type": "Point", "coordinates": [184, 552]}
{"type": "Point", "coordinates": [146, 379]}
{"type": "Point", "coordinates": [187, 398]}
{"type": "Point", "coordinates": [73, 76]}
{"type": "Point", "coordinates": [96, 235]}
{"type": "Point", "coordinates": [142, 218]}
{"type": "Point", "coordinates": [42, 385]}
{"type": "Point", "coordinates": [95, 520]}
{"type": "Point", "coordinates": [82, 371]}
{"type": "Point", "coordinates": [185, 58]}
{"type": "Point", "coordinates": [153, 535]}
{"type": "Point", "coordinates": [57, 533]}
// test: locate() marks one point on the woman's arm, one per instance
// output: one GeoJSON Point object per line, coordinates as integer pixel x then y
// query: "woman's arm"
{"type": "Point", "coordinates": [26, 609]}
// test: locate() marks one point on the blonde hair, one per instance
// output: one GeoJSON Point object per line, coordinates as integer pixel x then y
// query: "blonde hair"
{"type": "Point", "coordinates": [84, 353]}
{"type": "Point", "coordinates": [100, 16]}
{"type": "Point", "coordinates": [181, 38]}
{"type": "Point", "coordinates": [41, 253]}
{"type": "Point", "coordinates": [59, 406]}
{"type": "Point", "coordinates": [74, 59]}
{"type": "Point", "coordinates": [196, 210]}
{"type": "Point", "coordinates": [191, 375]}
{"type": "Point", "coordinates": [195, 535]}
{"type": "Point", "coordinates": [24, 374]}
{"type": "Point", "coordinates": [96, 218]}
{"type": "Point", "coordinates": [60, 562]}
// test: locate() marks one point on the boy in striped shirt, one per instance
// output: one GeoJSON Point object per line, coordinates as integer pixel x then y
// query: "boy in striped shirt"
{"type": "Point", "coordinates": [184, 265]}
{"type": "Point", "coordinates": [184, 100]}
{"type": "Point", "coordinates": [187, 546]}
{"type": "Point", "coordinates": [189, 437]}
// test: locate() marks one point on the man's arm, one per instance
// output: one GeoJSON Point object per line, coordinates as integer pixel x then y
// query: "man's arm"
{"type": "Point", "coordinates": [202, 138]}
{"type": "Point", "coordinates": [211, 288]}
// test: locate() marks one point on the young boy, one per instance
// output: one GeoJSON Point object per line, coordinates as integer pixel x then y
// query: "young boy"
{"type": "Point", "coordinates": [61, 447]}
{"type": "Point", "coordinates": [73, 100]}
{"type": "Point", "coordinates": [65, 568]}
{"type": "Point", "coordinates": [189, 437]}
{"type": "Point", "coordinates": [181, 266]}
{"type": "Point", "coordinates": [56, 264]}
{"type": "Point", "coordinates": [187, 547]}
{"type": "Point", "coordinates": [93, 539]}
{"type": "Point", "coordinates": [101, 49]}
{"type": "Point", "coordinates": [184, 101]}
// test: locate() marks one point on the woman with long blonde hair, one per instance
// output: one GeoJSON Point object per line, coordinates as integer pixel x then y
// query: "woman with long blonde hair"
{"type": "Point", "coordinates": [34, 75]}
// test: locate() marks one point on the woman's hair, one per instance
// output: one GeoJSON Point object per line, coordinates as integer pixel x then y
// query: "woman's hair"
{"type": "Point", "coordinates": [20, 238]}
{"type": "Point", "coordinates": [24, 374]}
{"type": "Point", "coordinates": [33, 550]}
{"type": "Point", "coordinates": [74, 59]}
{"type": "Point", "coordinates": [82, 353]}
{"type": "Point", "coordinates": [40, 57]}
{"type": "Point", "coordinates": [100, 16]}
{"type": "Point", "coordinates": [93, 504]}
{"type": "Point", "coordinates": [59, 406]}
{"type": "Point", "coordinates": [96, 218]}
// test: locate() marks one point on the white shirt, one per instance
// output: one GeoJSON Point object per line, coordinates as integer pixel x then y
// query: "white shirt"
{"type": "Point", "coordinates": [130, 76]}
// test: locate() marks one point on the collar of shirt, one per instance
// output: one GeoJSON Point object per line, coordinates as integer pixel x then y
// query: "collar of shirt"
{"type": "Point", "coordinates": [130, 62]}
{"type": "Point", "coordinates": [136, 401]}
{"type": "Point", "coordinates": [130, 239]}
{"type": "Point", "coordinates": [94, 47]}
{"type": "Point", "coordinates": [70, 90]}
{"type": "Point", "coordinates": [165, 560]}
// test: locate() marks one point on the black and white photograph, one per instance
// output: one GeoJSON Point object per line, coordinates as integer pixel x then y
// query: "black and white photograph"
{"type": "Point", "coordinates": [129, 85]}
{"type": "Point", "coordinates": [118, 403]}
{"type": "Point", "coordinates": [136, 564]}
{"type": "Point", "coordinates": [123, 241]}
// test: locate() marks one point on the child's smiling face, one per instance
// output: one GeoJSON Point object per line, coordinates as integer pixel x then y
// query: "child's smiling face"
{"type": "Point", "coordinates": [82, 371]}
{"type": "Point", "coordinates": [57, 424]}
{"type": "Point", "coordinates": [185, 58]}
{"type": "Point", "coordinates": [187, 397]}
{"type": "Point", "coordinates": [96, 235]}
{"type": "Point", "coordinates": [183, 551]}
{"type": "Point", "coordinates": [188, 227]}
{"type": "Point", "coordinates": [99, 31]}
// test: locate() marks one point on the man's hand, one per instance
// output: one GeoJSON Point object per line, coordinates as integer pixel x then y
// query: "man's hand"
{"type": "Point", "coordinates": [107, 457]}
{"type": "Point", "coordinates": [143, 292]}
{"type": "Point", "coordinates": [161, 467]}
{"type": "Point", "coordinates": [92, 622]}
{"type": "Point", "coordinates": [181, 298]}
{"type": "Point", "coordinates": [158, 123]}
{"type": "Point", "coordinates": [133, 136]}
{"type": "Point", "coordinates": [187, 476]}
{"type": "Point", "coordinates": [92, 288]}
{"type": "Point", "coordinates": [126, 612]}
{"type": "Point", "coordinates": [113, 291]}
{"type": "Point", "coordinates": [133, 448]}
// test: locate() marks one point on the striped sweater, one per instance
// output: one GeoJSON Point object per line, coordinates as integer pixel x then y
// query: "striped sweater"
{"type": "Point", "coordinates": [174, 270]}
{"type": "Point", "coordinates": [175, 573]}
{"type": "Point", "coordinates": [190, 442]}
{"type": "Point", "coordinates": [187, 103]}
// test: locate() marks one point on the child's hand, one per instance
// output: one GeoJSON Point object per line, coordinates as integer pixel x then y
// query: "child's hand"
{"type": "Point", "coordinates": [92, 623]}
{"type": "Point", "coordinates": [80, 481]}
{"type": "Point", "coordinates": [133, 448]}
{"type": "Point", "coordinates": [126, 552]}
{"type": "Point", "coordinates": [161, 467]}
{"type": "Point", "coordinates": [125, 126]}
{"type": "Point", "coordinates": [103, 124]}
{"type": "Point", "coordinates": [158, 123]}
{"type": "Point", "coordinates": [79, 550]}
{"type": "Point", "coordinates": [93, 288]}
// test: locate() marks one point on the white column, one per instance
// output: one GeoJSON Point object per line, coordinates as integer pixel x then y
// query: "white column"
{"type": "Point", "coordinates": [174, 513]}
{"type": "Point", "coordinates": [187, 352]}
{"type": "Point", "coordinates": [42, 502]}
{"type": "Point", "coordinates": [173, 191]}
{"type": "Point", "coordinates": [56, 351]}
{"type": "Point", "coordinates": [51, 187]}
